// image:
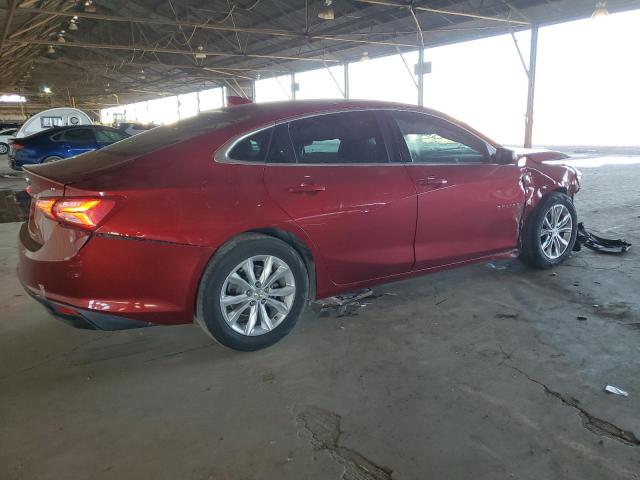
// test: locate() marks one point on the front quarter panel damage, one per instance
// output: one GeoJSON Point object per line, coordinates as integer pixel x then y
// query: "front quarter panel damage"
{"type": "Point", "coordinates": [540, 179]}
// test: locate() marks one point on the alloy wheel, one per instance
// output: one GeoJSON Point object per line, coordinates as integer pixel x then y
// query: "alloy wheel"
{"type": "Point", "coordinates": [257, 295]}
{"type": "Point", "coordinates": [555, 234]}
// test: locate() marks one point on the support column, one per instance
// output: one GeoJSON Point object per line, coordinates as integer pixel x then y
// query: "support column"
{"type": "Point", "coordinates": [421, 76]}
{"type": "Point", "coordinates": [346, 80]}
{"type": "Point", "coordinates": [294, 87]}
{"type": "Point", "coordinates": [533, 54]}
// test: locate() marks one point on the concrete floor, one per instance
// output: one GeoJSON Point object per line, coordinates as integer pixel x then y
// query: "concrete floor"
{"type": "Point", "coordinates": [484, 372]}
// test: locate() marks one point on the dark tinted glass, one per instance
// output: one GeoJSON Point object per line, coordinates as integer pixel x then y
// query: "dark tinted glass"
{"type": "Point", "coordinates": [76, 135]}
{"type": "Point", "coordinates": [253, 148]}
{"type": "Point", "coordinates": [349, 137]}
{"type": "Point", "coordinates": [110, 136]}
{"type": "Point", "coordinates": [280, 150]}
{"type": "Point", "coordinates": [431, 140]}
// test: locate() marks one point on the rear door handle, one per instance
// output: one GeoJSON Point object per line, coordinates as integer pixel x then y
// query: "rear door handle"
{"type": "Point", "coordinates": [307, 188]}
{"type": "Point", "coordinates": [434, 181]}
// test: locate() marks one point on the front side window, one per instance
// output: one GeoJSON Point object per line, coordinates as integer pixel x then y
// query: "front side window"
{"type": "Point", "coordinates": [431, 140]}
{"type": "Point", "coordinates": [349, 137]}
{"type": "Point", "coordinates": [252, 148]}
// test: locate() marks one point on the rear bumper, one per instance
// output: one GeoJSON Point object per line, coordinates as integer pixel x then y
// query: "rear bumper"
{"type": "Point", "coordinates": [87, 319]}
{"type": "Point", "coordinates": [112, 282]}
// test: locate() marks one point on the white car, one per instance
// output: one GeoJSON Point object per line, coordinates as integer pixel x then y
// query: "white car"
{"type": "Point", "coordinates": [5, 136]}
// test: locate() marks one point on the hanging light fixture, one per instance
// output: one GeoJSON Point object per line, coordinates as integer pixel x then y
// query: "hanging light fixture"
{"type": "Point", "coordinates": [327, 12]}
{"type": "Point", "coordinates": [73, 26]}
{"type": "Point", "coordinates": [89, 7]}
{"type": "Point", "coordinates": [61, 38]}
{"type": "Point", "coordinates": [600, 10]}
{"type": "Point", "coordinates": [51, 50]}
{"type": "Point", "coordinates": [200, 55]}
{"type": "Point", "coordinates": [365, 57]}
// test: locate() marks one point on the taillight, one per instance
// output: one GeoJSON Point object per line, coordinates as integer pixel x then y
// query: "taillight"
{"type": "Point", "coordinates": [16, 146]}
{"type": "Point", "coordinates": [82, 212]}
{"type": "Point", "coordinates": [46, 206]}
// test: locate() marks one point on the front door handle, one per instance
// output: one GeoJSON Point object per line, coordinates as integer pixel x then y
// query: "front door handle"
{"type": "Point", "coordinates": [433, 181]}
{"type": "Point", "coordinates": [307, 188]}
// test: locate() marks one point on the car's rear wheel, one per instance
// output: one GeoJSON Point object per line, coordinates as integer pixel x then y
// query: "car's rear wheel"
{"type": "Point", "coordinates": [252, 292]}
{"type": "Point", "coordinates": [52, 158]}
{"type": "Point", "coordinates": [550, 232]}
{"type": "Point", "coordinates": [4, 148]}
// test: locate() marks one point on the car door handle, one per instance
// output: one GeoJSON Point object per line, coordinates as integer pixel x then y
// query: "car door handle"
{"type": "Point", "coordinates": [434, 181]}
{"type": "Point", "coordinates": [307, 188]}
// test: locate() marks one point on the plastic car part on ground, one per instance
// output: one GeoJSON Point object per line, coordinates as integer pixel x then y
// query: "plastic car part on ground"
{"type": "Point", "coordinates": [342, 305]}
{"type": "Point", "coordinates": [599, 244]}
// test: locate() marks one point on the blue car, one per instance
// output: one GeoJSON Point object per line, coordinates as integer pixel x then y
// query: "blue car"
{"type": "Point", "coordinates": [61, 142]}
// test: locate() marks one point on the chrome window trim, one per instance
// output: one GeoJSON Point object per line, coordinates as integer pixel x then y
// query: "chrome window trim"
{"type": "Point", "coordinates": [221, 155]}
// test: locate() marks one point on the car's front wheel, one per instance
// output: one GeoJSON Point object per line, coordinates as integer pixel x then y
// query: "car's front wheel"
{"type": "Point", "coordinates": [252, 292]}
{"type": "Point", "coordinates": [550, 231]}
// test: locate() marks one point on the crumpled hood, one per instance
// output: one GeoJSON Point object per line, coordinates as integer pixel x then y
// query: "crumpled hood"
{"type": "Point", "coordinates": [539, 155]}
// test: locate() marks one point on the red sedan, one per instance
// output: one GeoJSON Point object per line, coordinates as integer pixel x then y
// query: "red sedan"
{"type": "Point", "coordinates": [238, 217]}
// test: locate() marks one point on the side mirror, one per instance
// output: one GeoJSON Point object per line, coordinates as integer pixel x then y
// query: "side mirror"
{"type": "Point", "coordinates": [504, 156]}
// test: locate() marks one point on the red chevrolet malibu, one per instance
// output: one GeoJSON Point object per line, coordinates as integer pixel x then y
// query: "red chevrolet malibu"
{"type": "Point", "coordinates": [238, 217]}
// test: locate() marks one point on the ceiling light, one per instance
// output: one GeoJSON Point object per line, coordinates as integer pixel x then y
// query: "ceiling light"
{"type": "Point", "coordinates": [365, 57]}
{"type": "Point", "coordinates": [61, 39]}
{"type": "Point", "coordinates": [46, 89]}
{"type": "Point", "coordinates": [89, 7]}
{"type": "Point", "coordinates": [51, 50]}
{"type": "Point", "coordinates": [600, 10]}
{"type": "Point", "coordinates": [12, 98]}
{"type": "Point", "coordinates": [326, 12]}
{"type": "Point", "coordinates": [73, 26]}
{"type": "Point", "coordinates": [199, 54]}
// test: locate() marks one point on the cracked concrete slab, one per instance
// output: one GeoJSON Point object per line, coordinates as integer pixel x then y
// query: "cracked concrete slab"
{"type": "Point", "coordinates": [419, 384]}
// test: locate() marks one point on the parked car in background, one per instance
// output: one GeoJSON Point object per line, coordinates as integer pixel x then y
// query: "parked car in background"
{"type": "Point", "coordinates": [5, 136]}
{"type": "Point", "coordinates": [240, 216]}
{"type": "Point", "coordinates": [61, 142]}
{"type": "Point", "coordinates": [134, 128]}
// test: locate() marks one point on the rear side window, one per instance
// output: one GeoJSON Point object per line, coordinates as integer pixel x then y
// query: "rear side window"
{"type": "Point", "coordinates": [281, 150]}
{"type": "Point", "coordinates": [253, 148]}
{"type": "Point", "coordinates": [74, 135]}
{"type": "Point", "coordinates": [349, 137]}
{"type": "Point", "coordinates": [431, 140]}
{"type": "Point", "coordinates": [110, 136]}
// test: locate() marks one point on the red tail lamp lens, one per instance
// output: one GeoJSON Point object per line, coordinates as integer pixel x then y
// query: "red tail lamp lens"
{"type": "Point", "coordinates": [16, 146]}
{"type": "Point", "coordinates": [46, 206]}
{"type": "Point", "coordinates": [82, 212]}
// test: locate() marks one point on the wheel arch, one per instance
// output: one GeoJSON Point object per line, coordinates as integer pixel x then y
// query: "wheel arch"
{"type": "Point", "coordinates": [300, 247]}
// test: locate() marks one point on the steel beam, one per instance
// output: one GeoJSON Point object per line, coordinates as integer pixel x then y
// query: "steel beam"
{"type": "Point", "coordinates": [207, 26]}
{"type": "Point", "coordinates": [533, 54]}
{"type": "Point", "coordinates": [153, 49]}
{"type": "Point", "coordinates": [440, 11]}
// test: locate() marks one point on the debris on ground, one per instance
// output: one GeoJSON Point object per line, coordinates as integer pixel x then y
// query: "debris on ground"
{"type": "Point", "coordinates": [599, 244]}
{"type": "Point", "coordinates": [581, 318]}
{"type": "Point", "coordinates": [342, 305]}
{"type": "Point", "coordinates": [615, 390]}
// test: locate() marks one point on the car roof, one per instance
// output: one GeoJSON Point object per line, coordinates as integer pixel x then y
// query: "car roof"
{"type": "Point", "coordinates": [279, 111]}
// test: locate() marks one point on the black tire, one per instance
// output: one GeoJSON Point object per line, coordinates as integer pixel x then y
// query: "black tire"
{"type": "Point", "coordinates": [4, 148]}
{"type": "Point", "coordinates": [531, 251]}
{"type": "Point", "coordinates": [208, 309]}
